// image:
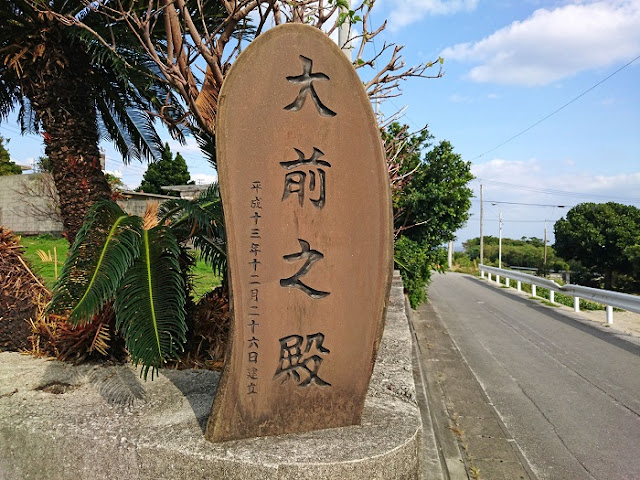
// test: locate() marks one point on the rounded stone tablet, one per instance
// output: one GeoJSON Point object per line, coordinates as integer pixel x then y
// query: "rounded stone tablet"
{"type": "Point", "coordinates": [307, 209]}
